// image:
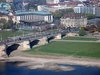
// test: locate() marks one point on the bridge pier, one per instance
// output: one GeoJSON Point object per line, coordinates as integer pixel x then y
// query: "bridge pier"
{"type": "Point", "coordinates": [24, 45]}
{"type": "Point", "coordinates": [57, 37]}
{"type": "Point", "coordinates": [43, 41]}
{"type": "Point", "coordinates": [2, 48]}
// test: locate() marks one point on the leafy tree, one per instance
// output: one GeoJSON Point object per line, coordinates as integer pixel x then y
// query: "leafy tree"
{"type": "Point", "coordinates": [6, 25]}
{"type": "Point", "coordinates": [82, 32]}
{"type": "Point", "coordinates": [10, 23]}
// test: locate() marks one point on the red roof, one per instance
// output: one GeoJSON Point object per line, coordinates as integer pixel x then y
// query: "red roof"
{"type": "Point", "coordinates": [74, 3]}
{"type": "Point", "coordinates": [52, 4]}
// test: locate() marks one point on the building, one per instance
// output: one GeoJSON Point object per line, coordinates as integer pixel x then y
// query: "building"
{"type": "Point", "coordinates": [85, 9]}
{"type": "Point", "coordinates": [57, 6]}
{"type": "Point", "coordinates": [33, 16]}
{"type": "Point", "coordinates": [89, 10]}
{"type": "Point", "coordinates": [52, 1]}
{"type": "Point", "coordinates": [5, 15]}
{"type": "Point", "coordinates": [9, 1]}
{"type": "Point", "coordinates": [73, 20]}
{"type": "Point", "coordinates": [5, 6]}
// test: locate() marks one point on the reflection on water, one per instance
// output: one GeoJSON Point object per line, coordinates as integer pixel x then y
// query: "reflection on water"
{"type": "Point", "coordinates": [12, 69]}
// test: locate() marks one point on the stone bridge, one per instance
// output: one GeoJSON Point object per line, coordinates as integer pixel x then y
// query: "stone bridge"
{"type": "Point", "coordinates": [29, 43]}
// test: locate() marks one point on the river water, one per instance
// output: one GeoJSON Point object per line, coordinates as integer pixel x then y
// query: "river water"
{"type": "Point", "coordinates": [8, 68]}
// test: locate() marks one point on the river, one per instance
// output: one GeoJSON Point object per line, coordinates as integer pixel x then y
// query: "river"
{"type": "Point", "coordinates": [9, 68]}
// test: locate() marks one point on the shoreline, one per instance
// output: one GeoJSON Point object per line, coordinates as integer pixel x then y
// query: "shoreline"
{"type": "Point", "coordinates": [52, 63]}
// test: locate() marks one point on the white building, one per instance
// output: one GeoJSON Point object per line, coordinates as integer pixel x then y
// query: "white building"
{"type": "Point", "coordinates": [85, 9]}
{"type": "Point", "coordinates": [89, 10]}
{"type": "Point", "coordinates": [42, 8]}
{"type": "Point", "coordinates": [52, 7]}
{"type": "Point", "coordinates": [33, 16]}
{"type": "Point", "coordinates": [52, 1]}
{"type": "Point", "coordinates": [73, 20]}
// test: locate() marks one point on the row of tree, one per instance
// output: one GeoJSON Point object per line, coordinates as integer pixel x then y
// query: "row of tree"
{"type": "Point", "coordinates": [59, 13]}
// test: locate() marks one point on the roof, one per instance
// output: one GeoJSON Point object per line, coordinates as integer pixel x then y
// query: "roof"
{"type": "Point", "coordinates": [74, 16]}
{"type": "Point", "coordinates": [4, 4]}
{"type": "Point", "coordinates": [32, 12]}
{"type": "Point", "coordinates": [73, 3]}
{"type": "Point", "coordinates": [70, 3]}
{"type": "Point", "coordinates": [4, 11]}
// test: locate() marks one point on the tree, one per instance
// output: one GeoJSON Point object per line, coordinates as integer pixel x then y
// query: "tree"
{"type": "Point", "coordinates": [59, 13]}
{"type": "Point", "coordinates": [8, 24]}
{"type": "Point", "coordinates": [33, 4]}
{"type": "Point", "coordinates": [12, 6]}
{"type": "Point", "coordinates": [2, 21]}
{"type": "Point", "coordinates": [2, 0]}
{"type": "Point", "coordinates": [90, 16]}
{"type": "Point", "coordinates": [82, 32]}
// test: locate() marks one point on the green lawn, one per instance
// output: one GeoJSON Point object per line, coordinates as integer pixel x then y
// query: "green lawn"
{"type": "Point", "coordinates": [69, 48]}
{"type": "Point", "coordinates": [6, 34]}
{"type": "Point", "coordinates": [80, 38]}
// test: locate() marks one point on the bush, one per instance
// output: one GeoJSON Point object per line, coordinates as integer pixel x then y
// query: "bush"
{"type": "Point", "coordinates": [82, 32]}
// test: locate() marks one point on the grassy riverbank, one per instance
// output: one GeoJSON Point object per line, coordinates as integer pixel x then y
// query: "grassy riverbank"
{"type": "Point", "coordinates": [69, 49]}
{"type": "Point", "coordinates": [80, 38]}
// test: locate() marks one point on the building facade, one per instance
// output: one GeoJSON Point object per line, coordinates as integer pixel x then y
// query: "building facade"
{"type": "Point", "coordinates": [52, 1]}
{"type": "Point", "coordinates": [88, 10]}
{"type": "Point", "coordinates": [33, 16]}
{"type": "Point", "coordinates": [73, 20]}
